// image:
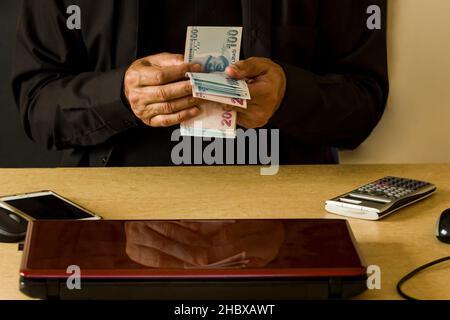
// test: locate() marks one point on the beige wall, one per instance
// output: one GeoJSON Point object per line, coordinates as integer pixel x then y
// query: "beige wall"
{"type": "Point", "coordinates": [416, 125]}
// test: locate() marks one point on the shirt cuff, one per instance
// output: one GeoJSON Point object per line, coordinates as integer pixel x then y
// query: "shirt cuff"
{"type": "Point", "coordinates": [113, 110]}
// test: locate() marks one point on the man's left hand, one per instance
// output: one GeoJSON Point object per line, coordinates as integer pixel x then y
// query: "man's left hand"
{"type": "Point", "coordinates": [267, 84]}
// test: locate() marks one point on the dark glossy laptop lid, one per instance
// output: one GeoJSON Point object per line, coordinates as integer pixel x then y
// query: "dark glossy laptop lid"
{"type": "Point", "coordinates": [195, 249]}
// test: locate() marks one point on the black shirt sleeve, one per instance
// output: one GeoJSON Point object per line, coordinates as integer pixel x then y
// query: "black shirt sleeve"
{"type": "Point", "coordinates": [63, 104]}
{"type": "Point", "coordinates": [341, 98]}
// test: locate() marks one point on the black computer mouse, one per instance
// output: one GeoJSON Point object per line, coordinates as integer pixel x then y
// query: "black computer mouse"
{"type": "Point", "coordinates": [443, 227]}
{"type": "Point", "coordinates": [13, 228]}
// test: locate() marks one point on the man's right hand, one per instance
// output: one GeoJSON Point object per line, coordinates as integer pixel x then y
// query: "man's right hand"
{"type": "Point", "coordinates": [157, 91]}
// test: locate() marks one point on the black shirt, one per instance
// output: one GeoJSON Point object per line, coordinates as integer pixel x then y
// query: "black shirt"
{"type": "Point", "coordinates": [68, 84]}
{"type": "Point", "coordinates": [140, 147]}
{"type": "Point", "coordinates": [168, 33]}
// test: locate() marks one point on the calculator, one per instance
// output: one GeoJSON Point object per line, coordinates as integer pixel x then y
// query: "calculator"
{"type": "Point", "coordinates": [380, 198]}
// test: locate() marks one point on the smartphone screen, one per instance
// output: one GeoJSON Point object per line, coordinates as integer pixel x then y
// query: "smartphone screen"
{"type": "Point", "coordinates": [47, 207]}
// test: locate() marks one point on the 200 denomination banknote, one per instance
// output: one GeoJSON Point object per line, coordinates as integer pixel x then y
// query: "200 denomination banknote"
{"type": "Point", "coordinates": [214, 48]}
{"type": "Point", "coordinates": [236, 102]}
{"type": "Point", "coordinates": [215, 121]}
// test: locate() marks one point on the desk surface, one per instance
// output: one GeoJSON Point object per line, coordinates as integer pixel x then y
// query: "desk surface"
{"type": "Point", "coordinates": [397, 244]}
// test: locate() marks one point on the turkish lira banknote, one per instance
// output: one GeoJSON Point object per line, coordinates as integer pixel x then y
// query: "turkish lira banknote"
{"type": "Point", "coordinates": [215, 121]}
{"type": "Point", "coordinates": [218, 84]}
{"type": "Point", "coordinates": [215, 48]}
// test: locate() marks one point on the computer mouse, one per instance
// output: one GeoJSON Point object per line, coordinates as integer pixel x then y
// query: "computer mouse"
{"type": "Point", "coordinates": [443, 227]}
{"type": "Point", "coordinates": [13, 228]}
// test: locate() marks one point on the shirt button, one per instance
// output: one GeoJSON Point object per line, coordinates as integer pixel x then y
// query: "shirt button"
{"type": "Point", "coordinates": [127, 123]}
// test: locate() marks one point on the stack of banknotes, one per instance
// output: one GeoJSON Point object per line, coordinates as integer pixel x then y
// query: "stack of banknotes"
{"type": "Point", "coordinates": [215, 48]}
{"type": "Point", "coordinates": [234, 262]}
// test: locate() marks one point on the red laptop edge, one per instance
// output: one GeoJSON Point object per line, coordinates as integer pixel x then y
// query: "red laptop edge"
{"type": "Point", "coordinates": [279, 259]}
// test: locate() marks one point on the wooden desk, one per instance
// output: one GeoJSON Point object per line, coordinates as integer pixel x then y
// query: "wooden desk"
{"type": "Point", "coordinates": [397, 244]}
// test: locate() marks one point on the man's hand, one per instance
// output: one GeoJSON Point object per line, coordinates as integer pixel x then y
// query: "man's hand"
{"type": "Point", "coordinates": [159, 244]}
{"type": "Point", "coordinates": [155, 92]}
{"type": "Point", "coordinates": [267, 85]}
{"type": "Point", "coordinates": [166, 244]}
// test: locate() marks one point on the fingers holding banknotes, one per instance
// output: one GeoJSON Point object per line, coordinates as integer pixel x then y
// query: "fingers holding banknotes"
{"type": "Point", "coordinates": [164, 245]}
{"type": "Point", "coordinates": [267, 84]}
{"type": "Point", "coordinates": [157, 91]}
{"type": "Point", "coordinates": [208, 244]}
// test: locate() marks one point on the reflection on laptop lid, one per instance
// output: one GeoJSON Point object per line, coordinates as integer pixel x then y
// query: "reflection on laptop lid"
{"type": "Point", "coordinates": [194, 259]}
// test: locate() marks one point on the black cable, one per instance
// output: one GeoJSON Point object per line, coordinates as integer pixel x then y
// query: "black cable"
{"type": "Point", "coordinates": [415, 272]}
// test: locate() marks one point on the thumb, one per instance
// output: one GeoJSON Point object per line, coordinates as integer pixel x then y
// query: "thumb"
{"type": "Point", "coordinates": [250, 68]}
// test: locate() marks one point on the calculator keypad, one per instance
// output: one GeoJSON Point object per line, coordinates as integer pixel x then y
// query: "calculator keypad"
{"type": "Point", "coordinates": [391, 188]}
